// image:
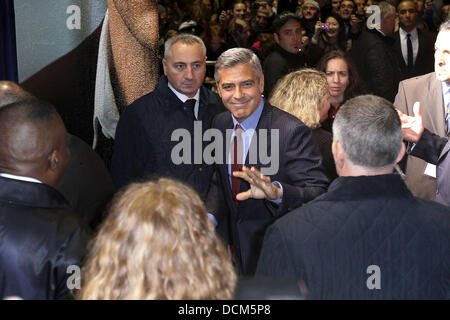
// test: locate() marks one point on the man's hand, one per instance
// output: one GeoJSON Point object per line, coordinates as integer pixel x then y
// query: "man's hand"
{"type": "Point", "coordinates": [318, 27]}
{"type": "Point", "coordinates": [412, 127]}
{"type": "Point", "coordinates": [261, 187]}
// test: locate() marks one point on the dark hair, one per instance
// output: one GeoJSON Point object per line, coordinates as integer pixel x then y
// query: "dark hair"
{"type": "Point", "coordinates": [281, 19]}
{"type": "Point", "coordinates": [355, 85]}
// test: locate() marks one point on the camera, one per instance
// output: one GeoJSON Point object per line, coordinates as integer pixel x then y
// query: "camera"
{"type": "Point", "coordinates": [325, 26]}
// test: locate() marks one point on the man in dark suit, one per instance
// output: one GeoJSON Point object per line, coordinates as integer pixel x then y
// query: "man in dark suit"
{"type": "Point", "coordinates": [86, 182]}
{"type": "Point", "coordinates": [431, 148]}
{"type": "Point", "coordinates": [368, 237]}
{"type": "Point", "coordinates": [41, 236]}
{"type": "Point", "coordinates": [91, 85]}
{"type": "Point", "coordinates": [413, 48]}
{"type": "Point", "coordinates": [149, 131]}
{"type": "Point", "coordinates": [256, 130]}
{"type": "Point", "coordinates": [372, 53]}
{"type": "Point", "coordinates": [433, 92]}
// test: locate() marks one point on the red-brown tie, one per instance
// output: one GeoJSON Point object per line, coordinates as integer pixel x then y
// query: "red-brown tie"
{"type": "Point", "coordinates": [236, 164]}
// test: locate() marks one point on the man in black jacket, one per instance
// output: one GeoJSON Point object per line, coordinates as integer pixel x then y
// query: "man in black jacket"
{"type": "Point", "coordinates": [152, 131]}
{"type": "Point", "coordinates": [41, 237]}
{"type": "Point", "coordinates": [86, 183]}
{"type": "Point", "coordinates": [368, 237]}
{"type": "Point", "coordinates": [372, 53]}
{"type": "Point", "coordinates": [287, 56]}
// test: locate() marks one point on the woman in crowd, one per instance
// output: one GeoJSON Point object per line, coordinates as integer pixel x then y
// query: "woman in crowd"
{"type": "Point", "coordinates": [157, 243]}
{"type": "Point", "coordinates": [328, 36]}
{"type": "Point", "coordinates": [305, 95]}
{"type": "Point", "coordinates": [343, 81]}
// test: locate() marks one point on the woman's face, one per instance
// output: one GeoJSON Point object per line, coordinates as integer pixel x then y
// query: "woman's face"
{"type": "Point", "coordinates": [337, 76]}
{"type": "Point", "coordinates": [333, 30]}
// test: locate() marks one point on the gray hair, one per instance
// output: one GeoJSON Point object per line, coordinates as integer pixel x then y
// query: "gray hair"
{"type": "Point", "coordinates": [369, 130]}
{"type": "Point", "coordinates": [385, 9]}
{"type": "Point", "coordinates": [235, 56]}
{"type": "Point", "coordinates": [445, 26]}
{"type": "Point", "coordinates": [185, 38]}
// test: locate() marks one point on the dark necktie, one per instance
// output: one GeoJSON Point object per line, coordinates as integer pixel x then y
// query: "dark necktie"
{"type": "Point", "coordinates": [190, 105]}
{"type": "Point", "coordinates": [410, 51]}
{"type": "Point", "coordinates": [236, 160]}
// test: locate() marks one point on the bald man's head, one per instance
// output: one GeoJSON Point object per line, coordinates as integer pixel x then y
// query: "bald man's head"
{"type": "Point", "coordinates": [11, 92]}
{"type": "Point", "coordinates": [33, 141]}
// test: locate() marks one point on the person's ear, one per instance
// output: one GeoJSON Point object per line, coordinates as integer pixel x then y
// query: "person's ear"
{"type": "Point", "coordinates": [338, 155]}
{"type": "Point", "coordinates": [261, 83]}
{"type": "Point", "coordinates": [401, 153]}
{"type": "Point", "coordinates": [276, 38]}
{"type": "Point", "coordinates": [219, 89]}
{"type": "Point", "coordinates": [53, 161]}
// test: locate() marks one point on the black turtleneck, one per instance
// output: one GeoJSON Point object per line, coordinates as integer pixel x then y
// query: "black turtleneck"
{"type": "Point", "coordinates": [278, 64]}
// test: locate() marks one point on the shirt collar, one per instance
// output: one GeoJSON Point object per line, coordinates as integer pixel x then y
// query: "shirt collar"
{"type": "Point", "coordinates": [446, 89]}
{"type": "Point", "coordinates": [184, 97]}
{"type": "Point", "coordinates": [403, 33]}
{"type": "Point", "coordinates": [252, 121]}
{"type": "Point", "coordinates": [21, 178]}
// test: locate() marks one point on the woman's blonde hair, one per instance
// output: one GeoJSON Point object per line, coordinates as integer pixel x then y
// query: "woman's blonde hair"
{"type": "Point", "coordinates": [157, 243]}
{"type": "Point", "coordinates": [300, 93]}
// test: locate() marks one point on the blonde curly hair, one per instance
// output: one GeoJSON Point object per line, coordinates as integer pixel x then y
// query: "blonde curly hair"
{"type": "Point", "coordinates": [157, 243]}
{"type": "Point", "coordinates": [300, 93]}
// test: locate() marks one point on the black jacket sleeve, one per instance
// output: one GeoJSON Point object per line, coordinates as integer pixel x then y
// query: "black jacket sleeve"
{"type": "Point", "coordinates": [429, 147]}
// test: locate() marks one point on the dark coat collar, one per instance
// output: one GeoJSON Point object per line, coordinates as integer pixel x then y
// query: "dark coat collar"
{"type": "Point", "coordinates": [162, 89]}
{"type": "Point", "coordinates": [387, 39]}
{"type": "Point", "coordinates": [30, 194]}
{"type": "Point", "coordinates": [363, 187]}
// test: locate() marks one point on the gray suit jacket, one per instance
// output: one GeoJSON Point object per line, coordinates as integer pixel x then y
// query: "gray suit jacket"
{"type": "Point", "coordinates": [428, 91]}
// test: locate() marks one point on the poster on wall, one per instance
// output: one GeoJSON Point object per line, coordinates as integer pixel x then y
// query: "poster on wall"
{"type": "Point", "coordinates": [89, 58]}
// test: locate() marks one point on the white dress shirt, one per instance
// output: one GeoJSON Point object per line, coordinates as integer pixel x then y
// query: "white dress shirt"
{"type": "Point", "coordinates": [414, 40]}
{"type": "Point", "coordinates": [21, 178]}
{"type": "Point", "coordinates": [184, 97]}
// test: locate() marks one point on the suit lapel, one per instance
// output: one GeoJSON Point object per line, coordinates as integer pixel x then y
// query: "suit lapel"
{"type": "Point", "coordinates": [435, 109]}
{"type": "Point", "coordinates": [444, 151]}
{"type": "Point", "coordinates": [226, 124]}
{"type": "Point", "coordinates": [421, 48]}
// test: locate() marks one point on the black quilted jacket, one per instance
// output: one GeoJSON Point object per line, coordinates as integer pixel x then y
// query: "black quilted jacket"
{"type": "Point", "coordinates": [335, 243]}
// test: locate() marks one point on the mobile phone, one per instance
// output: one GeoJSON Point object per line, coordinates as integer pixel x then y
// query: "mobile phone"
{"type": "Point", "coordinates": [325, 26]}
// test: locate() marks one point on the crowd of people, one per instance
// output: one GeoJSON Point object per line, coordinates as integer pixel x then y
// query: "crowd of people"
{"type": "Point", "coordinates": [283, 169]}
